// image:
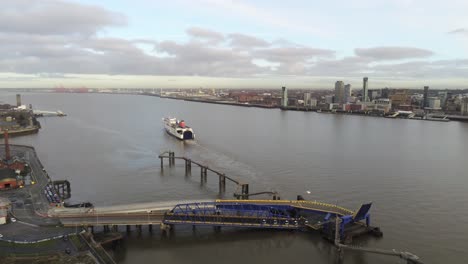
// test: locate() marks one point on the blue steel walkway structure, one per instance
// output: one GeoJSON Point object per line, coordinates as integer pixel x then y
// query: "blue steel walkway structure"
{"type": "Point", "coordinates": [273, 214]}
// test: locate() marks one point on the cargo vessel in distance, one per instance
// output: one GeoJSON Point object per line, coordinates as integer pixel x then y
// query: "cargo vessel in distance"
{"type": "Point", "coordinates": [178, 129]}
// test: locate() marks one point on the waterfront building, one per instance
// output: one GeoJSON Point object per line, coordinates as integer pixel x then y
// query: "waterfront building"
{"type": "Point", "coordinates": [383, 104]}
{"type": "Point", "coordinates": [365, 96]}
{"type": "Point", "coordinates": [306, 99]}
{"type": "Point", "coordinates": [329, 99]}
{"type": "Point", "coordinates": [373, 94]}
{"type": "Point", "coordinates": [443, 98]}
{"type": "Point", "coordinates": [313, 102]}
{"type": "Point", "coordinates": [347, 93]}
{"type": "Point", "coordinates": [352, 99]}
{"type": "Point", "coordinates": [334, 106]}
{"type": "Point", "coordinates": [18, 100]}
{"type": "Point", "coordinates": [284, 97]}
{"type": "Point", "coordinates": [339, 92]}
{"type": "Point", "coordinates": [464, 106]}
{"type": "Point", "coordinates": [354, 107]}
{"type": "Point", "coordinates": [400, 97]}
{"type": "Point", "coordinates": [425, 97]}
{"type": "Point", "coordinates": [433, 103]}
{"type": "Point", "coordinates": [385, 92]}
{"type": "Point", "coordinates": [368, 106]}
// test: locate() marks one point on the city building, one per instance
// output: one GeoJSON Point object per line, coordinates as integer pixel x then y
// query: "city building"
{"type": "Point", "coordinates": [383, 104]}
{"type": "Point", "coordinates": [306, 99]}
{"type": "Point", "coordinates": [284, 97]}
{"type": "Point", "coordinates": [433, 103]}
{"type": "Point", "coordinates": [365, 96]}
{"type": "Point", "coordinates": [18, 100]}
{"type": "Point", "coordinates": [245, 97]}
{"type": "Point", "coordinates": [353, 107]}
{"type": "Point", "coordinates": [464, 106]}
{"type": "Point", "coordinates": [425, 97]}
{"type": "Point", "coordinates": [385, 92]}
{"type": "Point", "coordinates": [313, 102]}
{"type": "Point", "coordinates": [329, 99]}
{"type": "Point", "coordinates": [373, 94]}
{"type": "Point", "coordinates": [339, 92]}
{"type": "Point", "coordinates": [400, 98]}
{"type": "Point", "coordinates": [347, 93]}
{"type": "Point", "coordinates": [443, 95]}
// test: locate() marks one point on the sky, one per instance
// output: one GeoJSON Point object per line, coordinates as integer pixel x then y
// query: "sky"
{"type": "Point", "coordinates": [233, 43]}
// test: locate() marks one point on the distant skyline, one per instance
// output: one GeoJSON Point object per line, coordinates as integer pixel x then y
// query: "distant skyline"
{"type": "Point", "coordinates": [233, 44]}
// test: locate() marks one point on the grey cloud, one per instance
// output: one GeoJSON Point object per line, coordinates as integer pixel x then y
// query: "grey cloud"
{"type": "Point", "coordinates": [67, 42]}
{"type": "Point", "coordinates": [55, 17]}
{"type": "Point", "coordinates": [347, 66]}
{"type": "Point", "coordinates": [285, 54]}
{"type": "Point", "coordinates": [393, 53]}
{"type": "Point", "coordinates": [246, 41]}
{"type": "Point", "coordinates": [196, 58]}
{"type": "Point", "coordinates": [463, 31]}
{"type": "Point", "coordinates": [206, 34]}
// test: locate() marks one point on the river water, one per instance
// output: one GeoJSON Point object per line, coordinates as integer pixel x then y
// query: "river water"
{"type": "Point", "coordinates": [414, 172]}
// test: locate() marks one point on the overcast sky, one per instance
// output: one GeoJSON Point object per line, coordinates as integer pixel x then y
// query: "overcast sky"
{"type": "Point", "coordinates": [233, 44]}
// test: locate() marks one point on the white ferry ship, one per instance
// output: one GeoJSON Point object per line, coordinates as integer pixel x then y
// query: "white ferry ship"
{"type": "Point", "coordinates": [178, 129]}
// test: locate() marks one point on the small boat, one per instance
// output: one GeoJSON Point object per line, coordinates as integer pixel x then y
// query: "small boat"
{"type": "Point", "coordinates": [437, 118]}
{"type": "Point", "coordinates": [178, 129]}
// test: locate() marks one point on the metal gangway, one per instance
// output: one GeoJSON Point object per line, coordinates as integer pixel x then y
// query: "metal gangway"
{"type": "Point", "coordinates": [277, 214]}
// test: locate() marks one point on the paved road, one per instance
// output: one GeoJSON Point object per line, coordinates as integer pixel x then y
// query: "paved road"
{"type": "Point", "coordinates": [36, 192]}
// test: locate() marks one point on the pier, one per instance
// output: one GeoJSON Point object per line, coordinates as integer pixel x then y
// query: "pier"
{"type": "Point", "coordinates": [260, 214]}
{"type": "Point", "coordinates": [244, 187]}
{"type": "Point", "coordinates": [42, 113]}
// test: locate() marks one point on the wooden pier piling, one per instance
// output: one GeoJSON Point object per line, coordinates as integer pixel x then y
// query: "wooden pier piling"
{"type": "Point", "coordinates": [222, 183]}
{"type": "Point", "coordinates": [170, 155]}
{"type": "Point", "coordinates": [203, 174]}
{"type": "Point", "coordinates": [245, 191]}
{"type": "Point", "coordinates": [188, 167]}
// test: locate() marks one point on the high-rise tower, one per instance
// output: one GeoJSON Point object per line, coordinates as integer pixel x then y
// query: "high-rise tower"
{"type": "Point", "coordinates": [365, 87]}
{"type": "Point", "coordinates": [284, 97]}
{"type": "Point", "coordinates": [339, 92]}
{"type": "Point", "coordinates": [347, 93]}
{"type": "Point", "coordinates": [18, 100]}
{"type": "Point", "coordinates": [425, 98]}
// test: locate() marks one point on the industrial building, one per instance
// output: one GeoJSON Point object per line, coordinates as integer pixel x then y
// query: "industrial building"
{"type": "Point", "coordinates": [11, 168]}
{"type": "Point", "coordinates": [8, 179]}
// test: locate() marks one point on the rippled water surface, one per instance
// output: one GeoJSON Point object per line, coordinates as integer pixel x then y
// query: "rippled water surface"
{"type": "Point", "coordinates": [414, 172]}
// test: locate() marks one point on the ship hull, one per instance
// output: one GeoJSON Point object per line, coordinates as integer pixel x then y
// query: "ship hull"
{"type": "Point", "coordinates": [181, 133]}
